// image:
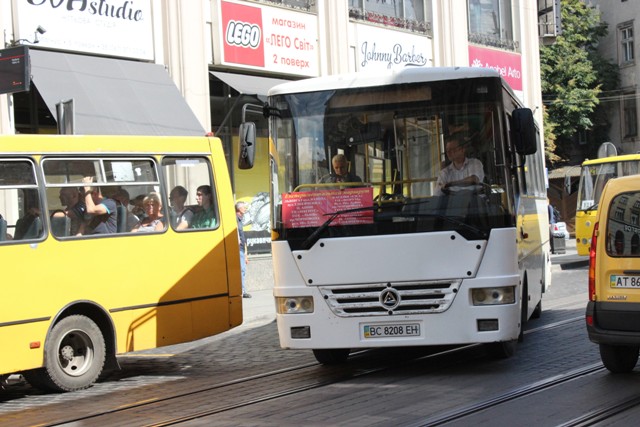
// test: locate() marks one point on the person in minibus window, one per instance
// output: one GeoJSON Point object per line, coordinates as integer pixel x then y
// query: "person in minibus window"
{"type": "Point", "coordinates": [462, 170]}
{"type": "Point", "coordinates": [181, 215]}
{"type": "Point", "coordinates": [103, 211]}
{"type": "Point", "coordinates": [75, 208]}
{"type": "Point", "coordinates": [121, 196]}
{"type": "Point", "coordinates": [154, 220]}
{"type": "Point", "coordinates": [341, 171]}
{"type": "Point", "coordinates": [205, 217]}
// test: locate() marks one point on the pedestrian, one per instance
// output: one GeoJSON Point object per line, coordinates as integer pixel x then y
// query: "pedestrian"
{"type": "Point", "coordinates": [241, 208]}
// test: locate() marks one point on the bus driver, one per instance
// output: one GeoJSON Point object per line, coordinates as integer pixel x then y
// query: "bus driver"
{"type": "Point", "coordinates": [462, 170]}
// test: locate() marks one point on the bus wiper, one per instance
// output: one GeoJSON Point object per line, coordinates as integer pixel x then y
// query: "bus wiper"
{"type": "Point", "coordinates": [592, 207]}
{"type": "Point", "coordinates": [315, 236]}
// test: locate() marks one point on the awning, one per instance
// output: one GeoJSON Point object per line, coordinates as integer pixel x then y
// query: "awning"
{"type": "Point", "coordinates": [113, 96]}
{"type": "Point", "coordinates": [249, 85]}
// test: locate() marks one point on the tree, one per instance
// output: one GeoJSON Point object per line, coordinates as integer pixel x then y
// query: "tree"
{"type": "Point", "coordinates": [572, 76]}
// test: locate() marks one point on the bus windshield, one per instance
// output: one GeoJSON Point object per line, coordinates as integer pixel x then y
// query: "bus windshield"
{"type": "Point", "coordinates": [392, 142]}
{"type": "Point", "coordinates": [593, 178]}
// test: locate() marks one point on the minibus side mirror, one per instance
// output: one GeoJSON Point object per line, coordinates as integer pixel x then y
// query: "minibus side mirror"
{"type": "Point", "coordinates": [247, 149]}
{"type": "Point", "coordinates": [523, 131]}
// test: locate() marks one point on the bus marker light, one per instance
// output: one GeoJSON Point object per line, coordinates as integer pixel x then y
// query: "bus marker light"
{"type": "Point", "coordinates": [300, 332]}
{"type": "Point", "coordinates": [485, 325]}
{"type": "Point", "coordinates": [34, 345]}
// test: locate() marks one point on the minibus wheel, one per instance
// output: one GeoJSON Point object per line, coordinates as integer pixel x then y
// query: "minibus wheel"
{"type": "Point", "coordinates": [74, 356]}
{"type": "Point", "coordinates": [333, 356]}
{"type": "Point", "coordinates": [619, 359]}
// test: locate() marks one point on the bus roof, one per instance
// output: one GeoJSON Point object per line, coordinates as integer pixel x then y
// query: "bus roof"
{"type": "Point", "coordinates": [370, 79]}
{"type": "Point", "coordinates": [611, 159]}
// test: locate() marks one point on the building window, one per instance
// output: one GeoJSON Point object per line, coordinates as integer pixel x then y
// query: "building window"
{"type": "Point", "coordinates": [626, 43]}
{"type": "Point", "coordinates": [491, 23]}
{"type": "Point", "coordinates": [630, 115]}
{"type": "Point", "coordinates": [306, 5]}
{"type": "Point", "coordinates": [407, 14]}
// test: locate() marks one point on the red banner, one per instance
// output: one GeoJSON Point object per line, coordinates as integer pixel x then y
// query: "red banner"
{"type": "Point", "coordinates": [242, 34]}
{"type": "Point", "coordinates": [314, 208]}
{"type": "Point", "coordinates": [508, 64]}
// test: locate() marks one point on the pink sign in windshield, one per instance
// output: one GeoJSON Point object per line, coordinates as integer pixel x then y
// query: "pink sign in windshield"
{"type": "Point", "coordinates": [314, 208]}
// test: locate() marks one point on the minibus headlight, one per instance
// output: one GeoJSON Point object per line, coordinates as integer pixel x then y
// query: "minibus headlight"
{"type": "Point", "coordinates": [493, 296]}
{"type": "Point", "coordinates": [294, 305]}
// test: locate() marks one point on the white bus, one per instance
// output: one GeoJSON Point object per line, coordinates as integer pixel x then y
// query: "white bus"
{"type": "Point", "coordinates": [392, 258]}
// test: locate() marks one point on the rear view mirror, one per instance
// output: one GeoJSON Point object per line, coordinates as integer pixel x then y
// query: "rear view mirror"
{"type": "Point", "coordinates": [247, 147]}
{"type": "Point", "coordinates": [523, 131]}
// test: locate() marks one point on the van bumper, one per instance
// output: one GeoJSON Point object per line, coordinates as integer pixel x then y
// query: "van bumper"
{"type": "Point", "coordinates": [614, 323]}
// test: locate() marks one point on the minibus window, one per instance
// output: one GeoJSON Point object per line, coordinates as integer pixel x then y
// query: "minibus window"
{"type": "Point", "coordinates": [623, 227]}
{"type": "Point", "coordinates": [20, 209]}
{"type": "Point", "coordinates": [191, 193]}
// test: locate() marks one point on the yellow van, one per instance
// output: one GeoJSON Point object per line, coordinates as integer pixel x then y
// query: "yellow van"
{"type": "Point", "coordinates": [613, 311]}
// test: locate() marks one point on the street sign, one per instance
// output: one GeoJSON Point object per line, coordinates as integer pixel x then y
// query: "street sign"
{"type": "Point", "coordinates": [15, 75]}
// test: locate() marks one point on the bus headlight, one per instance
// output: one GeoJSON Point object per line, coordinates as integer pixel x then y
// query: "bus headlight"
{"type": "Point", "coordinates": [294, 305]}
{"type": "Point", "coordinates": [493, 296]}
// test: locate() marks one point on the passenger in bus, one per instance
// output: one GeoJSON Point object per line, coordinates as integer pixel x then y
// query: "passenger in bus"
{"type": "Point", "coordinates": [29, 226]}
{"type": "Point", "coordinates": [205, 217]}
{"type": "Point", "coordinates": [181, 215]}
{"type": "Point", "coordinates": [462, 170]}
{"type": "Point", "coordinates": [136, 206]}
{"type": "Point", "coordinates": [341, 171]}
{"type": "Point", "coordinates": [103, 211]}
{"type": "Point", "coordinates": [122, 198]}
{"type": "Point", "coordinates": [154, 220]}
{"type": "Point", "coordinates": [75, 208]}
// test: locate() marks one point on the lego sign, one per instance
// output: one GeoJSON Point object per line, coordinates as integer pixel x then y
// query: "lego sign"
{"type": "Point", "coordinates": [508, 65]}
{"type": "Point", "coordinates": [270, 39]}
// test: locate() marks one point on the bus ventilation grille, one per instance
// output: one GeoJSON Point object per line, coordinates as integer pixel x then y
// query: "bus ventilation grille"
{"type": "Point", "coordinates": [386, 299]}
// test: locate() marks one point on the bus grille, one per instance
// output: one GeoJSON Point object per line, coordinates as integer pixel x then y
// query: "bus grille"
{"type": "Point", "coordinates": [386, 299]}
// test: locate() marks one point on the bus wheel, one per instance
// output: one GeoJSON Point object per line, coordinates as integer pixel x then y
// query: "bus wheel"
{"type": "Point", "coordinates": [332, 356]}
{"type": "Point", "coordinates": [74, 355]}
{"type": "Point", "coordinates": [501, 350]}
{"type": "Point", "coordinates": [537, 311]}
{"type": "Point", "coordinates": [619, 359]}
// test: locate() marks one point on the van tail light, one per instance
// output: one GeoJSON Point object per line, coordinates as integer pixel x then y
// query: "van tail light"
{"type": "Point", "coordinates": [592, 263]}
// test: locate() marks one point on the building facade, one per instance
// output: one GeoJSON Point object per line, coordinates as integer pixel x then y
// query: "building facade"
{"type": "Point", "coordinates": [619, 47]}
{"type": "Point", "coordinates": [167, 67]}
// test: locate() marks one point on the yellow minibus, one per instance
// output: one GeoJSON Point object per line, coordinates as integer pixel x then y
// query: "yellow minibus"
{"type": "Point", "coordinates": [111, 244]}
{"type": "Point", "coordinates": [613, 311]}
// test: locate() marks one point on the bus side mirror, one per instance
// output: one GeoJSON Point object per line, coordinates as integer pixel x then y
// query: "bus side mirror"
{"type": "Point", "coordinates": [523, 131]}
{"type": "Point", "coordinates": [247, 149]}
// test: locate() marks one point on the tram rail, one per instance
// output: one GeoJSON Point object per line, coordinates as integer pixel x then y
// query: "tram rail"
{"type": "Point", "coordinates": [281, 384]}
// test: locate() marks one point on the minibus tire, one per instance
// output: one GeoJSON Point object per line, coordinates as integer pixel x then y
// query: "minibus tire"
{"type": "Point", "coordinates": [74, 355]}
{"type": "Point", "coordinates": [619, 359]}
{"type": "Point", "coordinates": [333, 356]}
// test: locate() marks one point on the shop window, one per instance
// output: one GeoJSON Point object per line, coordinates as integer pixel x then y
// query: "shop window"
{"type": "Point", "coordinates": [408, 14]}
{"type": "Point", "coordinates": [491, 23]}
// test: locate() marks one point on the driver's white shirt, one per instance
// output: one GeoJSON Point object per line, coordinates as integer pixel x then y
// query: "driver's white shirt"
{"type": "Point", "coordinates": [452, 174]}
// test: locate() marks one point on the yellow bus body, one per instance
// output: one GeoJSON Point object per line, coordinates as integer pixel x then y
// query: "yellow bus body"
{"type": "Point", "coordinates": [584, 230]}
{"type": "Point", "coordinates": [144, 291]}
